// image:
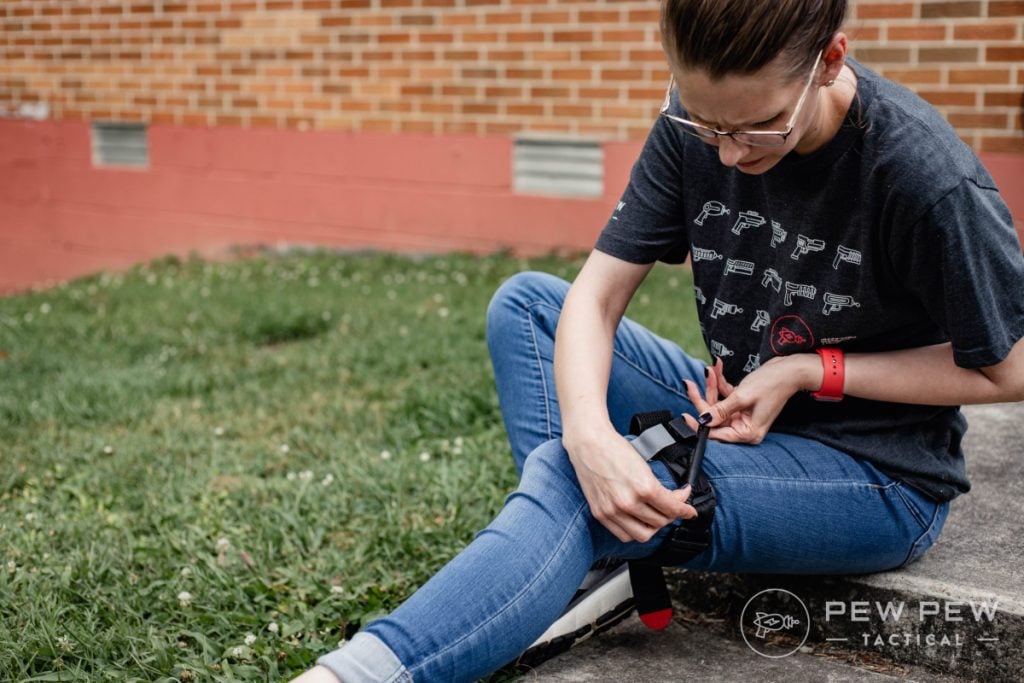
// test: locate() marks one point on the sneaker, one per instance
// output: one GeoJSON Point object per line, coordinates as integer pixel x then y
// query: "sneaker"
{"type": "Point", "coordinates": [603, 600]}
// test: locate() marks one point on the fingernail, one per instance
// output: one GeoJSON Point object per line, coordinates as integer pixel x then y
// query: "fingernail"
{"type": "Point", "coordinates": [705, 418]}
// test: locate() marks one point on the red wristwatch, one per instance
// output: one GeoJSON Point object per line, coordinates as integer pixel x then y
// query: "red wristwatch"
{"type": "Point", "coordinates": [834, 373]}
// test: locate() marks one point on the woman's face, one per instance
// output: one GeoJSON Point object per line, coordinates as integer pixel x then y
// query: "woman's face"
{"type": "Point", "coordinates": [762, 101]}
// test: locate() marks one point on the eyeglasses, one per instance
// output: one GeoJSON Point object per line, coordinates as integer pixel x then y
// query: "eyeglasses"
{"type": "Point", "coordinates": [756, 138]}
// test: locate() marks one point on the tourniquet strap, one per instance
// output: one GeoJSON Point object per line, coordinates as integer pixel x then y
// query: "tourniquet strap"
{"type": "Point", "coordinates": [670, 440]}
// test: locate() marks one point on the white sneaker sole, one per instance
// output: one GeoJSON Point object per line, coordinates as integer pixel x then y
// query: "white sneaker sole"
{"type": "Point", "coordinates": [600, 608]}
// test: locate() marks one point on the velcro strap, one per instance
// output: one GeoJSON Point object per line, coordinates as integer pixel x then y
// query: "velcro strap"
{"type": "Point", "coordinates": [643, 421]}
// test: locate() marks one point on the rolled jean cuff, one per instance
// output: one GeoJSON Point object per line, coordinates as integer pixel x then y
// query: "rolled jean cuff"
{"type": "Point", "coordinates": [365, 659]}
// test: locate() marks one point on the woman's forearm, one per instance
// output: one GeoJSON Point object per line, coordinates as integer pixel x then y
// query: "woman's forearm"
{"type": "Point", "coordinates": [583, 345]}
{"type": "Point", "coordinates": [583, 352]}
{"type": "Point", "coordinates": [926, 375]}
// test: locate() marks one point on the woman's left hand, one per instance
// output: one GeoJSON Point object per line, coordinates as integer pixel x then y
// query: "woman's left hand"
{"type": "Point", "coordinates": [746, 412]}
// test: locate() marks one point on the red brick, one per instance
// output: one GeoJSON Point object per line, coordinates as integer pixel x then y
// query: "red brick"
{"type": "Point", "coordinates": [949, 97]}
{"type": "Point", "coordinates": [914, 76]}
{"type": "Point", "coordinates": [947, 54]}
{"type": "Point", "coordinates": [979, 76]}
{"type": "Point", "coordinates": [1003, 143]}
{"type": "Point", "coordinates": [916, 32]}
{"type": "Point", "coordinates": [889, 10]}
{"type": "Point", "coordinates": [956, 8]}
{"type": "Point", "coordinates": [1006, 98]}
{"type": "Point", "coordinates": [977, 120]}
{"type": "Point", "coordinates": [1006, 8]}
{"type": "Point", "coordinates": [1004, 54]}
{"type": "Point", "coordinates": [1000, 31]}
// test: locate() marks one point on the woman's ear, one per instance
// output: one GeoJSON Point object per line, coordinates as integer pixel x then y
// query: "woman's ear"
{"type": "Point", "coordinates": [834, 59]}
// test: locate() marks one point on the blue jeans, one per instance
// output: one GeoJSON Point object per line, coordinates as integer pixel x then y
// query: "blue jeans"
{"type": "Point", "coordinates": [788, 505]}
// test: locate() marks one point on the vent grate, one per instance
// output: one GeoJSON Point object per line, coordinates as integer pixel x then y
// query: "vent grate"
{"type": "Point", "coordinates": [120, 144]}
{"type": "Point", "coordinates": [559, 167]}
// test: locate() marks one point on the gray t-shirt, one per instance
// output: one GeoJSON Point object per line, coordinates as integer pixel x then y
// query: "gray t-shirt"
{"type": "Point", "coordinates": [891, 236]}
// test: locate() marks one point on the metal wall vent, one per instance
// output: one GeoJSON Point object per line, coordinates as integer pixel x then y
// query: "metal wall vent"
{"type": "Point", "coordinates": [561, 167]}
{"type": "Point", "coordinates": [120, 144]}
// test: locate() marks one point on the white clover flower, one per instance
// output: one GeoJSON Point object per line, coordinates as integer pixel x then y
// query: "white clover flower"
{"type": "Point", "coordinates": [443, 312]}
{"type": "Point", "coordinates": [325, 316]}
{"type": "Point", "coordinates": [238, 652]}
{"type": "Point", "coordinates": [12, 566]}
{"type": "Point", "coordinates": [249, 639]}
{"type": "Point", "coordinates": [44, 308]}
{"type": "Point", "coordinates": [273, 627]}
{"type": "Point", "coordinates": [108, 449]}
{"type": "Point", "coordinates": [223, 544]}
{"type": "Point", "coordinates": [186, 571]}
{"type": "Point", "coordinates": [338, 590]}
{"type": "Point", "coordinates": [438, 298]}
{"type": "Point", "coordinates": [306, 475]}
{"type": "Point", "coordinates": [328, 478]}
{"type": "Point", "coordinates": [285, 448]}
{"type": "Point", "coordinates": [218, 431]}
{"type": "Point", "coordinates": [30, 516]}
{"type": "Point", "coordinates": [459, 441]}
{"type": "Point", "coordinates": [184, 598]}
{"type": "Point", "coordinates": [424, 456]}
{"type": "Point", "coordinates": [65, 644]}
{"type": "Point", "coordinates": [673, 282]}
{"type": "Point", "coordinates": [290, 476]}
{"type": "Point", "coordinates": [385, 455]}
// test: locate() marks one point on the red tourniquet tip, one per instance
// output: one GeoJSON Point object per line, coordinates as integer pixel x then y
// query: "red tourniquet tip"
{"type": "Point", "coordinates": [657, 620]}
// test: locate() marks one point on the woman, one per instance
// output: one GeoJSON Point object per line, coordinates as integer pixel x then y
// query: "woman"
{"type": "Point", "coordinates": [825, 210]}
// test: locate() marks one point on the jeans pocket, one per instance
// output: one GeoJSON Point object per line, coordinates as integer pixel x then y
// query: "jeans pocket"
{"type": "Point", "coordinates": [929, 515]}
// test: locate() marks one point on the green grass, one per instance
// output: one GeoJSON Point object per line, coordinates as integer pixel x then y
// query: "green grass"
{"type": "Point", "coordinates": [252, 434]}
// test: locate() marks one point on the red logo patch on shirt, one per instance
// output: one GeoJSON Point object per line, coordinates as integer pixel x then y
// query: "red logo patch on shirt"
{"type": "Point", "coordinates": [790, 334]}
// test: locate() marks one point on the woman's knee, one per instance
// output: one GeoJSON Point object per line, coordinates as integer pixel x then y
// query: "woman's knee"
{"type": "Point", "coordinates": [519, 292]}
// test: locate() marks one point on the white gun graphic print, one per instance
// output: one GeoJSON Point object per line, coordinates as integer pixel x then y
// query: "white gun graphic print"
{"type": "Point", "coordinates": [711, 209]}
{"type": "Point", "coordinates": [778, 234]}
{"type": "Point", "coordinates": [795, 289]}
{"type": "Point", "coordinates": [845, 254]}
{"type": "Point", "coordinates": [748, 219]}
{"type": "Point", "coordinates": [804, 245]}
{"type": "Point", "coordinates": [723, 308]}
{"type": "Point", "coordinates": [837, 302]}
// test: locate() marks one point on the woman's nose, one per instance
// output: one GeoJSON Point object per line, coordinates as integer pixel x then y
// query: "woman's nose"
{"type": "Point", "coordinates": [730, 151]}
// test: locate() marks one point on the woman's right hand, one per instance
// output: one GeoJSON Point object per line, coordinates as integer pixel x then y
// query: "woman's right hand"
{"type": "Point", "coordinates": [623, 493]}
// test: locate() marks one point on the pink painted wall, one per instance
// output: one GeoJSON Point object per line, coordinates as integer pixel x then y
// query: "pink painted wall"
{"type": "Point", "coordinates": [210, 188]}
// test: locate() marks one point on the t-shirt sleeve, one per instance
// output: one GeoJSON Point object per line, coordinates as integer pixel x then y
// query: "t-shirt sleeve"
{"type": "Point", "coordinates": [647, 224]}
{"type": "Point", "coordinates": [963, 261]}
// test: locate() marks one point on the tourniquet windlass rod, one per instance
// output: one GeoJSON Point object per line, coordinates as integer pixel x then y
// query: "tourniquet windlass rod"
{"type": "Point", "coordinates": [698, 452]}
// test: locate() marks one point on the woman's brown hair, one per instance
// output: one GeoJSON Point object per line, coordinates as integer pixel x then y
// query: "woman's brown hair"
{"type": "Point", "coordinates": [725, 37]}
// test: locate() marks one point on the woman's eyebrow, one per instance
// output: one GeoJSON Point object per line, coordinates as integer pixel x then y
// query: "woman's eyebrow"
{"type": "Point", "coordinates": [697, 117]}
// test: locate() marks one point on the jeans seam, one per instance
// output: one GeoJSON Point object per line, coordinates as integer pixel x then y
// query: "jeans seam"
{"type": "Point", "coordinates": [540, 365]}
{"type": "Point", "coordinates": [515, 598]}
{"type": "Point", "coordinates": [912, 509]}
{"type": "Point", "coordinates": [926, 534]}
{"type": "Point", "coordinates": [788, 480]}
{"type": "Point", "coordinates": [625, 359]}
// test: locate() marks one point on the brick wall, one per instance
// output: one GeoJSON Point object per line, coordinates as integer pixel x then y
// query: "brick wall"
{"type": "Point", "coordinates": [482, 67]}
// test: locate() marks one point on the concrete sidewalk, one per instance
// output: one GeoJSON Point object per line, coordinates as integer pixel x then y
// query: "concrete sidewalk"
{"type": "Point", "coordinates": [962, 603]}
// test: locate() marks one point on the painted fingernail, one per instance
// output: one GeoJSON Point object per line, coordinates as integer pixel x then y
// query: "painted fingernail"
{"type": "Point", "coordinates": [706, 418]}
